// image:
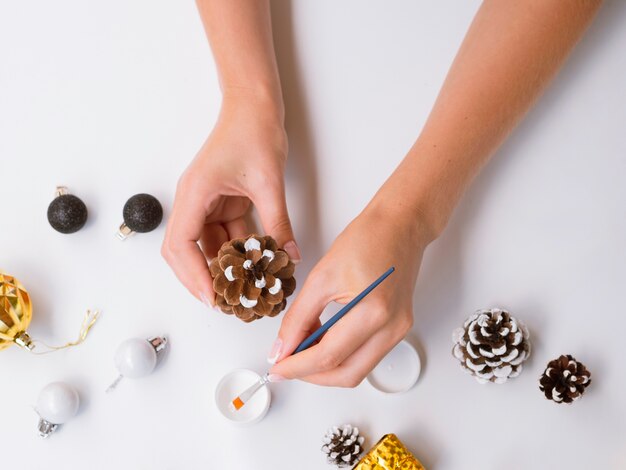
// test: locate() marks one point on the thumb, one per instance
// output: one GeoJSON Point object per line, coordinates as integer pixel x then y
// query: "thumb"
{"type": "Point", "coordinates": [302, 318]}
{"type": "Point", "coordinates": [272, 209]}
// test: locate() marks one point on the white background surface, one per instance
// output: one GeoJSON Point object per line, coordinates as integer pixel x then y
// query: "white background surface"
{"type": "Point", "coordinates": [114, 98]}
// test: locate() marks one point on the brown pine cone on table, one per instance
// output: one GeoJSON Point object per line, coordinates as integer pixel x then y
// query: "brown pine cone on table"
{"type": "Point", "coordinates": [564, 380]}
{"type": "Point", "coordinates": [492, 345]}
{"type": "Point", "coordinates": [252, 277]}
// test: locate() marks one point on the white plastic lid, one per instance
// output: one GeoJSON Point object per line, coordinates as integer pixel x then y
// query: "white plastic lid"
{"type": "Point", "coordinates": [398, 371]}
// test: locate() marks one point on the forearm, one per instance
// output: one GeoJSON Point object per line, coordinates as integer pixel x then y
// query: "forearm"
{"type": "Point", "coordinates": [508, 56]}
{"type": "Point", "coordinates": [240, 35]}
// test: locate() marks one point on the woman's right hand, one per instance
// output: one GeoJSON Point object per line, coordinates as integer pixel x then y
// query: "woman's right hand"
{"type": "Point", "coordinates": [241, 162]}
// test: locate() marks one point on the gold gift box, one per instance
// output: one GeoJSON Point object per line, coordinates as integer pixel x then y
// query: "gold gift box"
{"type": "Point", "coordinates": [389, 454]}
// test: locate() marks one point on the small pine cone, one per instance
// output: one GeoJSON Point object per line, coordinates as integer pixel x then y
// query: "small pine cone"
{"type": "Point", "coordinates": [492, 345]}
{"type": "Point", "coordinates": [252, 278]}
{"type": "Point", "coordinates": [343, 446]}
{"type": "Point", "coordinates": [564, 380]}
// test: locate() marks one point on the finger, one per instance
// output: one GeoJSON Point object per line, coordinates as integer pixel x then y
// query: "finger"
{"type": "Point", "coordinates": [277, 347]}
{"type": "Point", "coordinates": [212, 238]}
{"type": "Point", "coordinates": [301, 317]}
{"type": "Point", "coordinates": [237, 228]}
{"type": "Point", "coordinates": [272, 209]}
{"type": "Point", "coordinates": [339, 343]}
{"type": "Point", "coordinates": [356, 367]}
{"type": "Point", "coordinates": [182, 252]}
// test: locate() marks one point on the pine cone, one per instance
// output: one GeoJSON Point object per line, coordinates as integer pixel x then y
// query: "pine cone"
{"type": "Point", "coordinates": [343, 445]}
{"type": "Point", "coordinates": [252, 278]}
{"type": "Point", "coordinates": [564, 380]}
{"type": "Point", "coordinates": [492, 345]}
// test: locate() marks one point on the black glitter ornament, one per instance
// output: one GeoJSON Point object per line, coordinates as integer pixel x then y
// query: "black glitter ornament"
{"type": "Point", "coordinates": [66, 213]}
{"type": "Point", "coordinates": [142, 213]}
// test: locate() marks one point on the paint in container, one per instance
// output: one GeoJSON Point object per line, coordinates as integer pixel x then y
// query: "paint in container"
{"type": "Point", "coordinates": [230, 386]}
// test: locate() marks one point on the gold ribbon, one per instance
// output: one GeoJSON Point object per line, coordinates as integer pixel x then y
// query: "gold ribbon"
{"type": "Point", "coordinates": [89, 320]}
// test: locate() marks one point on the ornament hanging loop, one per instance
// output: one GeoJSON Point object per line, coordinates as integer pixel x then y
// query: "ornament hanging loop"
{"type": "Point", "coordinates": [89, 320]}
{"type": "Point", "coordinates": [114, 385]}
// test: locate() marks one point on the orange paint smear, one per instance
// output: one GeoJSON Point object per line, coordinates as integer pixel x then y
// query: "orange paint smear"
{"type": "Point", "coordinates": [237, 403]}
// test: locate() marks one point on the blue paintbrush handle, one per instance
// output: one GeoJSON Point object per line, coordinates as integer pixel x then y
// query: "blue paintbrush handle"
{"type": "Point", "coordinates": [339, 315]}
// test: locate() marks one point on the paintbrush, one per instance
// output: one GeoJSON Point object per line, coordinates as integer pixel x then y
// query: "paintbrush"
{"type": "Point", "coordinates": [240, 400]}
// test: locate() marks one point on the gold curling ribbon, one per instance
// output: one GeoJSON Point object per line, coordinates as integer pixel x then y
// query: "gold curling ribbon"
{"type": "Point", "coordinates": [89, 320]}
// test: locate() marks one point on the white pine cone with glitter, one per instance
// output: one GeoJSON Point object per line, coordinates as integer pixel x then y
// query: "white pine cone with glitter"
{"type": "Point", "coordinates": [343, 445]}
{"type": "Point", "coordinates": [492, 345]}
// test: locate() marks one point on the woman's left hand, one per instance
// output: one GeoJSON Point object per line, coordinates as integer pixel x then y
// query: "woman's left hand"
{"type": "Point", "coordinates": [373, 242]}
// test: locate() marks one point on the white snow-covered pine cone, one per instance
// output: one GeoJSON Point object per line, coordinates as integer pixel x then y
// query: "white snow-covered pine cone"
{"type": "Point", "coordinates": [492, 345]}
{"type": "Point", "coordinates": [343, 445]}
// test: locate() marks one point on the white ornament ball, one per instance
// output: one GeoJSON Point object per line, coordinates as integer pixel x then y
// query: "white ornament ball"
{"type": "Point", "coordinates": [135, 358]}
{"type": "Point", "coordinates": [58, 402]}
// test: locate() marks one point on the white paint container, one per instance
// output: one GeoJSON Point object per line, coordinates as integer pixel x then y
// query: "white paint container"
{"type": "Point", "coordinates": [398, 371]}
{"type": "Point", "coordinates": [231, 385]}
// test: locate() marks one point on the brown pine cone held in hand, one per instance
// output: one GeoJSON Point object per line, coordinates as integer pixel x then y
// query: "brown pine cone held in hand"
{"type": "Point", "coordinates": [564, 380]}
{"type": "Point", "coordinates": [252, 277]}
{"type": "Point", "coordinates": [492, 345]}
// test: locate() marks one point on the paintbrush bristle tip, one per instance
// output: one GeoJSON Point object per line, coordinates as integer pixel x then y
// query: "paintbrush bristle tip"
{"type": "Point", "coordinates": [236, 404]}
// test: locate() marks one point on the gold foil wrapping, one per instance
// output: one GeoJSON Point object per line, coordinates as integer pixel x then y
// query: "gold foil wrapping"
{"type": "Point", "coordinates": [389, 454]}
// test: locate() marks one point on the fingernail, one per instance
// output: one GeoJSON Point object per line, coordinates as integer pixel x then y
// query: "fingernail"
{"type": "Point", "coordinates": [274, 354]}
{"type": "Point", "coordinates": [275, 378]}
{"type": "Point", "coordinates": [206, 300]}
{"type": "Point", "coordinates": [293, 251]}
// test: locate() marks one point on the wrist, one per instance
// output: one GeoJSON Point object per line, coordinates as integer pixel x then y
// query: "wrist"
{"type": "Point", "coordinates": [400, 200]}
{"type": "Point", "coordinates": [265, 101]}
{"type": "Point", "coordinates": [255, 121]}
{"type": "Point", "coordinates": [409, 221]}
{"type": "Point", "coordinates": [427, 185]}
